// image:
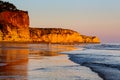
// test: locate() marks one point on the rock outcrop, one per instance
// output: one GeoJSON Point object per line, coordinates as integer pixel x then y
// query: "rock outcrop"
{"type": "Point", "coordinates": [14, 26]}
{"type": "Point", "coordinates": [58, 35]}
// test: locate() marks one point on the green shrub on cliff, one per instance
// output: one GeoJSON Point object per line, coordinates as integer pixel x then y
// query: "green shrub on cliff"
{"type": "Point", "coordinates": [7, 6]}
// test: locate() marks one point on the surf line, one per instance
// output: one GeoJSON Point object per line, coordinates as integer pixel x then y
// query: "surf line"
{"type": "Point", "coordinates": [72, 58]}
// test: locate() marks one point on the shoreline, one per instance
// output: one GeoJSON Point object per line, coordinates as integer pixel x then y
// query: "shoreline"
{"type": "Point", "coordinates": [103, 60]}
{"type": "Point", "coordinates": [99, 74]}
{"type": "Point", "coordinates": [38, 42]}
{"type": "Point", "coordinates": [53, 67]}
{"type": "Point", "coordinates": [72, 60]}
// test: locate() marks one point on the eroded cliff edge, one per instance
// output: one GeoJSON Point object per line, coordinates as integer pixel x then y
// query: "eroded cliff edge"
{"type": "Point", "coordinates": [59, 35]}
{"type": "Point", "coordinates": [14, 26]}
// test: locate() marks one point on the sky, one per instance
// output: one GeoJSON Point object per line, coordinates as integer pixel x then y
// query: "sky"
{"type": "Point", "coordinates": [89, 17]}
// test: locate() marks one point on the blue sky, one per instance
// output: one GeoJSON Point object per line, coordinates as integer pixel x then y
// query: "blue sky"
{"type": "Point", "coordinates": [89, 17]}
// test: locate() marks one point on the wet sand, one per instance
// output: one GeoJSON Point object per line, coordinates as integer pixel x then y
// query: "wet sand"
{"type": "Point", "coordinates": [44, 63]}
{"type": "Point", "coordinates": [58, 68]}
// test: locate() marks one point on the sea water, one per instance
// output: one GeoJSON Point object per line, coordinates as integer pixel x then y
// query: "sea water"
{"type": "Point", "coordinates": [103, 59]}
{"type": "Point", "coordinates": [59, 62]}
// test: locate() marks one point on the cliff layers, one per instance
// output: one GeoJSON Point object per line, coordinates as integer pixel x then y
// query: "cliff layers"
{"type": "Point", "coordinates": [58, 35]}
{"type": "Point", "coordinates": [14, 26]}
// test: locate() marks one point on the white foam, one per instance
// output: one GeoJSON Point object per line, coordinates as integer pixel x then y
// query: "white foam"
{"type": "Point", "coordinates": [58, 68]}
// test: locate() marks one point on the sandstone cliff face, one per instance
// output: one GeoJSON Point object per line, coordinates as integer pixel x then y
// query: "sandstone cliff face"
{"type": "Point", "coordinates": [1, 35]}
{"type": "Point", "coordinates": [14, 26]}
{"type": "Point", "coordinates": [58, 35]}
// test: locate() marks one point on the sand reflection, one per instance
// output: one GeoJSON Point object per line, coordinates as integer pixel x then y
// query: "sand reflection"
{"type": "Point", "coordinates": [13, 61]}
{"type": "Point", "coordinates": [14, 64]}
{"type": "Point", "coordinates": [48, 50]}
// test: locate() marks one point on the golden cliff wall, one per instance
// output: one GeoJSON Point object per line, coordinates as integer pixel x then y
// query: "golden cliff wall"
{"type": "Point", "coordinates": [58, 35]}
{"type": "Point", "coordinates": [14, 26]}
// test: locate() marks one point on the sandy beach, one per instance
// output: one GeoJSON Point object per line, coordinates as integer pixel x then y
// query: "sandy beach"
{"type": "Point", "coordinates": [50, 66]}
{"type": "Point", "coordinates": [58, 68]}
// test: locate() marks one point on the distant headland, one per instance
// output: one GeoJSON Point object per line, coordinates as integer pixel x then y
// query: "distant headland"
{"type": "Point", "coordinates": [14, 27]}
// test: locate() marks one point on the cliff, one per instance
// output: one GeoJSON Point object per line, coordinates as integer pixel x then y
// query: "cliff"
{"type": "Point", "coordinates": [14, 26]}
{"type": "Point", "coordinates": [58, 35]}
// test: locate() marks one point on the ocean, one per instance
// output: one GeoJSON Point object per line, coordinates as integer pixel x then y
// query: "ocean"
{"type": "Point", "coordinates": [103, 59]}
{"type": "Point", "coordinates": [20, 61]}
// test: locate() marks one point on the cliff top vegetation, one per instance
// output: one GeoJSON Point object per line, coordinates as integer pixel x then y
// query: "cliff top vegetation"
{"type": "Point", "coordinates": [6, 6]}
